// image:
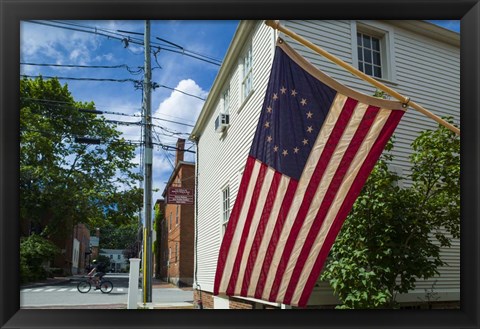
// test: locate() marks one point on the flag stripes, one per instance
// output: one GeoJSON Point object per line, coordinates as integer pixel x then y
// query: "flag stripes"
{"type": "Point", "coordinates": [246, 227]}
{"type": "Point", "coordinates": [335, 160]}
{"type": "Point", "coordinates": [352, 145]}
{"type": "Point", "coordinates": [281, 228]}
{"type": "Point", "coordinates": [305, 286]}
{"type": "Point", "coordinates": [258, 242]}
{"type": "Point", "coordinates": [321, 169]}
{"type": "Point", "coordinates": [227, 238]}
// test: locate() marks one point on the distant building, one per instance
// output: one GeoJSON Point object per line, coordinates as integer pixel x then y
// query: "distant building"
{"type": "Point", "coordinates": [94, 244]}
{"type": "Point", "coordinates": [118, 262]}
{"type": "Point", "coordinates": [74, 245]}
{"type": "Point", "coordinates": [177, 228]}
{"type": "Point", "coordinates": [75, 251]}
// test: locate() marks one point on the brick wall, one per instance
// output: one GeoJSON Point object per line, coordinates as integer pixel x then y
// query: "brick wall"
{"type": "Point", "coordinates": [240, 304]}
{"type": "Point", "coordinates": [187, 221]}
{"type": "Point", "coordinates": [208, 303]}
{"type": "Point", "coordinates": [207, 299]}
{"type": "Point", "coordinates": [180, 234]}
{"type": "Point", "coordinates": [174, 242]}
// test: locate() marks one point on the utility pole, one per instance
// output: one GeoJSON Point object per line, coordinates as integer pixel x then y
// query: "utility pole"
{"type": "Point", "coordinates": [147, 178]}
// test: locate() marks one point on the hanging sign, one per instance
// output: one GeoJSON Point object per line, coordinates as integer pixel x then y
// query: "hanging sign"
{"type": "Point", "coordinates": [180, 195]}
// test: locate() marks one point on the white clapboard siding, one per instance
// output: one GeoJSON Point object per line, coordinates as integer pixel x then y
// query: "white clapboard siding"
{"type": "Point", "coordinates": [222, 156]}
{"type": "Point", "coordinates": [424, 69]}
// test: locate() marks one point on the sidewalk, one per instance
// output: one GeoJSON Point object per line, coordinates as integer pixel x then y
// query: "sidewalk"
{"type": "Point", "coordinates": [159, 284]}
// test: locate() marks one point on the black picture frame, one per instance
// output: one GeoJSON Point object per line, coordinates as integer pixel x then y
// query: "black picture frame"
{"type": "Point", "coordinates": [13, 11]}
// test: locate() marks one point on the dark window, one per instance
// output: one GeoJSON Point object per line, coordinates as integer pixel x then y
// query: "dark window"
{"type": "Point", "coordinates": [369, 55]}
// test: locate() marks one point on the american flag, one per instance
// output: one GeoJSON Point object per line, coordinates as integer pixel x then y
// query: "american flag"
{"type": "Point", "coordinates": [315, 145]}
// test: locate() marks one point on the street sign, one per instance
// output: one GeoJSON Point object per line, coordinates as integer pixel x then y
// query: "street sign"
{"type": "Point", "coordinates": [180, 195]}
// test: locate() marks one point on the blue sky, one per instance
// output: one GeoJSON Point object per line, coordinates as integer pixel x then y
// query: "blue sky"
{"type": "Point", "coordinates": [42, 44]}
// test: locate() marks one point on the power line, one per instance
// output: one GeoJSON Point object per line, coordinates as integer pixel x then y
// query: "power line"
{"type": "Point", "coordinates": [68, 105]}
{"type": "Point", "coordinates": [165, 147]}
{"type": "Point", "coordinates": [136, 82]}
{"type": "Point", "coordinates": [125, 39]}
{"type": "Point", "coordinates": [129, 69]}
{"type": "Point", "coordinates": [180, 91]}
{"type": "Point", "coordinates": [165, 131]}
{"type": "Point", "coordinates": [80, 79]}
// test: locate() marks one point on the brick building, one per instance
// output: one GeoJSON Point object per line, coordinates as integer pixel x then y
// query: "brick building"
{"type": "Point", "coordinates": [75, 251]}
{"type": "Point", "coordinates": [177, 237]}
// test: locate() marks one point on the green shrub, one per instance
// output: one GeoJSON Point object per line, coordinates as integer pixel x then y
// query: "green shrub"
{"type": "Point", "coordinates": [34, 251]}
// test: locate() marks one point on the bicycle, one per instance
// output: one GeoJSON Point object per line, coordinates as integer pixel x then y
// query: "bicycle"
{"type": "Point", "coordinates": [84, 286]}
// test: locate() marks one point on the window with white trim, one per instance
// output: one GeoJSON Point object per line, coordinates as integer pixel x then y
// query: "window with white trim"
{"type": "Point", "coordinates": [369, 52]}
{"type": "Point", "coordinates": [247, 76]}
{"type": "Point", "coordinates": [225, 208]}
{"type": "Point", "coordinates": [373, 49]}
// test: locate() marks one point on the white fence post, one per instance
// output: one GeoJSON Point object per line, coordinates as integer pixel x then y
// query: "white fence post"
{"type": "Point", "coordinates": [133, 283]}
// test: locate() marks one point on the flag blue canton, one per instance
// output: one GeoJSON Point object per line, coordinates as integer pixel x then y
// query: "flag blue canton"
{"type": "Point", "coordinates": [295, 107]}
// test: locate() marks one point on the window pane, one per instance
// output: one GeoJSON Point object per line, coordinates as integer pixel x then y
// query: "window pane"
{"type": "Point", "coordinates": [360, 54]}
{"type": "Point", "coordinates": [376, 58]}
{"type": "Point", "coordinates": [359, 39]}
{"type": "Point", "coordinates": [367, 56]}
{"type": "Point", "coordinates": [360, 66]}
{"type": "Point", "coordinates": [375, 44]}
{"type": "Point", "coordinates": [377, 71]}
{"type": "Point", "coordinates": [366, 41]}
{"type": "Point", "coordinates": [368, 69]}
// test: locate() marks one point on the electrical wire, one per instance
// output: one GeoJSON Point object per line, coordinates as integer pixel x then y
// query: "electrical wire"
{"type": "Point", "coordinates": [68, 105]}
{"type": "Point", "coordinates": [129, 69]}
{"type": "Point", "coordinates": [80, 79]}
{"type": "Point", "coordinates": [126, 39]}
{"type": "Point", "coordinates": [136, 82]}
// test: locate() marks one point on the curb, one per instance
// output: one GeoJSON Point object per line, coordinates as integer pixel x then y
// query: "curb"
{"type": "Point", "coordinates": [96, 307]}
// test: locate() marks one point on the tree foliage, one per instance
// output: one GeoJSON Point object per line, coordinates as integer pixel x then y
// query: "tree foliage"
{"type": "Point", "coordinates": [63, 182]}
{"type": "Point", "coordinates": [118, 237]}
{"type": "Point", "coordinates": [393, 235]}
{"type": "Point", "coordinates": [156, 245]}
{"type": "Point", "coordinates": [34, 251]}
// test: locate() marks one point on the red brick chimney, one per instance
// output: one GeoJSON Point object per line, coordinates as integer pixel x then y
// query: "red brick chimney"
{"type": "Point", "coordinates": [180, 150]}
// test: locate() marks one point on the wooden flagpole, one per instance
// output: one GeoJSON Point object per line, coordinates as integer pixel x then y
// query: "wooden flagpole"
{"type": "Point", "coordinates": [405, 100]}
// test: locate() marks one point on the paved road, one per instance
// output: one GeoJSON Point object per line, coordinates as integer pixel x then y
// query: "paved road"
{"type": "Point", "coordinates": [66, 294]}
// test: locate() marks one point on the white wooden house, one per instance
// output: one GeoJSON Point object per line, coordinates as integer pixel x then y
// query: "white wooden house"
{"type": "Point", "coordinates": [416, 58]}
{"type": "Point", "coordinates": [118, 262]}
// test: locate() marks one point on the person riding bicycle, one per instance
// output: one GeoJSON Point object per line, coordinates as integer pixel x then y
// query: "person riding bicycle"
{"type": "Point", "coordinates": [97, 272]}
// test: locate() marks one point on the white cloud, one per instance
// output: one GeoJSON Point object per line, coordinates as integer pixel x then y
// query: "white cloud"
{"type": "Point", "coordinates": [183, 108]}
{"type": "Point", "coordinates": [56, 44]}
{"type": "Point", "coordinates": [176, 107]}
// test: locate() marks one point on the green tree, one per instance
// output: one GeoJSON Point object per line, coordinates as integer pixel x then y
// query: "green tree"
{"type": "Point", "coordinates": [34, 252]}
{"type": "Point", "coordinates": [393, 234]}
{"type": "Point", "coordinates": [118, 237]}
{"type": "Point", "coordinates": [156, 245]}
{"type": "Point", "coordinates": [63, 182]}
